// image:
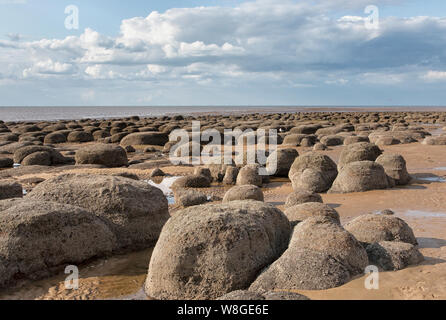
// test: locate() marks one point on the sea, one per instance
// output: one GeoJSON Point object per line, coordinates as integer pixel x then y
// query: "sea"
{"type": "Point", "coordinates": [77, 113]}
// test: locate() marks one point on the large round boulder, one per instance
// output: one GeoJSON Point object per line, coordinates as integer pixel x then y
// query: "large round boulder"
{"type": "Point", "coordinates": [207, 251]}
{"type": "Point", "coordinates": [55, 137]}
{"type": "Point", "coordinates": [372, 228]}
{"type": "Point", "coordinates": [313, 172]}
{"type": "Point", "coordinates": [134, 210]}
{"type": "Point", "coordinates": [360, 151]}
{"type": "Point", "coordinates": [360, 176]}
{"type": "Point", "coordinates": [249, 174]}
{"type": "Point", "coordinates": [192, 181]}
{"type": "Point", "coordinates": [393, 255]}
{"type": "Point", "coordinates": [395, 167]}
{"type": "Point", "coordinates": [55, 156]}
{"type": "Point", "coordinates": [104, 154]}
{"type": "Point", "coordinates": [40, 158]}
{"type": "Point", "coordinates": [244, 192]}
{"type": "Point", "coordinates": [38, 238]}
{"type": "Point", "coordinates": [145, 138]}
{"type": "Point", "coordinates": [79, 136]}
{"type": "Point", "coordinates": [301, 196]}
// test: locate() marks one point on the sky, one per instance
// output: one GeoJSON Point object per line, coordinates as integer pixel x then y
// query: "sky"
{"type": "Point", "coordinates": [223, 52]}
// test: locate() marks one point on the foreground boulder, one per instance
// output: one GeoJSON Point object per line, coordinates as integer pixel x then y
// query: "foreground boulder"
{"type": "Point", "coordinates": [104, 154]}
{"type": "Point", "coordinates": [393, 255]}
{"type": "Point", "coordinates": [207, 251]}
{"type": "Point", "coordinates": [245, 192]}
{"type": "Point", "coordinates": [395, 167]}
{"type": "Point", "coordinates": [360, 176]}
{"type": "Point", "coordinates": [38, 238]}
{"type": "Point", "coordinates": [301, 212]}
{"type": "Point", "coordinates": [10, 189]}
{"type": "Point", "coordinates": [372, 228]}
{"type": "Point", "coordinates": [134, 210]}
{"type": "Point", "coordinates": [313, 172]}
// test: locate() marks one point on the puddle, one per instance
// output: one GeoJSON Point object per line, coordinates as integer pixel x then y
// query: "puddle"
{"type": "Point", "coordinates": [424, 214]}
{"type": "Point", "coordinates": [440, 168]}
{"type": "Point", "coordinates": [16, 165]}
{"type": "Point", "coordinates": [432, 179]}
{"type": "Point", "coordinates": [25, 192]}
{"type": "Point", "coordinates": [165, 185]}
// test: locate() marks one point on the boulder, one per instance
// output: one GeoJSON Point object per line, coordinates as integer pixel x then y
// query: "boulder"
{"type": "Point", "coordinates": [134, 210]}
{"type": "Point", "coordinates": [393, 255]}
{"type": "Point", "coordinates": [301, 196]}
{"type": "Point", "coordinates": [360, 151]}
{"type": "Point", "coordinates": [157, 173]}
{"type": "Point", "coordinates": [332, 140]}
{"type": "Point", "coordinates": [313, 172]}
{"type": "Point", "coordinates": [79, 136]}
{"type": "Point", "coordinates": [103, 154]}
{"type": "Point", "coordinates": [189, 198]}
{"type": "Point", "coordinates": [39, 238]}
{"type": "Point", "coordinates": [372, 228]}
{"type": "Point", "coordinates": [207, 251]}
{"type": "Point", "coordinates": [193, 181]}
{"type": "Point", "coordinates": [55, 156]}
{"type": "Point", "coordinates": [145, 138]}
{"type": "Point", "coordinates": [301, 212]}
{"type": "Point", "coordinates": [355, 139]}
{"type": "Point", "coordinates": [6, 163]}
{"type": "Point", "coordinates": [281, 160]}
{"type": "Point", "coordinates": [41, 158]}
{"type": "Point", "coordinates": [231, 174]}
{"type": "Point", "coordinates": [55, 137]}
{"type": "Point", "coordinates": [249, 174]}
{"type": "Point", "coordinates": [10, 189]}
{"type": "Point", "coordinates": [244, 192]}
{"type": "Point", "coordinates": [360, 176]}
{"type": "Point", "coordinates": [326, 235]}
{"type": "Point", "coordinates": [395, 167]}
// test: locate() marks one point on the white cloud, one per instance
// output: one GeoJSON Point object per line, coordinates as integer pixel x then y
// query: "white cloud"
{"type": "Point", "coordinates": [49, 67]}
{"type": "Point", "coordinates": [435, 76]}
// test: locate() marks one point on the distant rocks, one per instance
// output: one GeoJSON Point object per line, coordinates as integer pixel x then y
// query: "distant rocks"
{"type": "Point", "coordinates": [145, 138]}
{"type": "Point", "coordinates": [244, 192]}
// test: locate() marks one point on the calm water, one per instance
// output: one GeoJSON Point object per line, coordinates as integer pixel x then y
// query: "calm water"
{"type": "Point", "coordinates": [71, 113]}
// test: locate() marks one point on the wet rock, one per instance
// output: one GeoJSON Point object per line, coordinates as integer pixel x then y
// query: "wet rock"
{"type": "Point", "coordinates": [104, 154]}
{"type": "Point", "coordinates": [301, 212]}
{"type": "Point", "coordinates": [134, 210]}
{"type": "Point", "coordinates": [301, 196]}
{"type": "Point", "coordinates": [372, 228]}
{"type": "Point", "coordinates": [393, 255]}
{"type": "Point", "coordinates": [207, 251]}
{"type": "Point", "coordinates": [10, 189]}
{"type": "Point", "coordinates": [360, 176]}
{"type": "Point", "coordinates": [244, 192]}
{"type": "Point", "coordinates": [39, 238]}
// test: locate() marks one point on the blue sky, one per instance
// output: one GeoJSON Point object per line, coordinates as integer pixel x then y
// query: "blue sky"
{"type": "Point", "coordinates": [222, 52]}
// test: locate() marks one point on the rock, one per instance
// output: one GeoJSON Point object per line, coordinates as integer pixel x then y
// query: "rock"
{"type": "Point", "coordinates": [332, 140]}
{"type": "Point", "coordinates": [302, 269]}
{"type": "Point", "coordinates": [189, 198]}
{"type": "Point", "coordinates": [435, 141]}
{"type": "Point", "coordinates": [10, 189]}
{"type": "Point", "coordinates": [104, 154]}
{"type": "Point", "coordinates": [56, 158]}
{"type": "Point", "coordinates": [293, 140]}
{"type": "Point", "coordinates": [231, 174]}
{"type": "Point", "coordinates": [79, 136]}
{"type": "Point", "coordinates": [281, 161]}
{"type": "Point", "coordinates": [145, 138]}
{"type": "Point", "coordinates": [372, 228]}
{"type": "Point", "coordinates": [326, 235]}
{"type": "Point", "coordinates": [41, 158]}
{"type": "Point", "coordinates": [157, 173]}
{"type": "Point", "coordinates": [39, 238]}
{"type": "Point", "coordinates": [301, 196]}
{"type": "Point", "coordinates": [218, 171]}
{"type": "Point", "coordinates": [134, 210]}
{"type": "Point", "coordinates": [387, 212]}
{"type": "Point", "coordinates": [201, 171]}
{"type": "Point", "coordinates": [386, 141]}
{"type": "Point", "coordinates": [319, 147]}
{"type": "Point", "coordinates": [269, 295]}
{"type": "Point", "coordinates": [355, 139]}
{"type": "Point", "coordinates": [395, 167]}
{"type": "Point", "coordinates": [301, 212]}
{"type": "Point", "coordinates": [207, 251]}
{"type": "Point", "coordinates": [393, 255]}
{"type": "Point", "coordinates": [126, 175]}
{"type": "Point", "coordinates": [192, 181]}
{"type": "Point", "coordinates": [360, 151]}
{"type": "Point", "coordinates": [55, 137]}
{"type": "Point", "coordinates": [360, 176]}
{"type": "Point", "coordinates": [6, 163]}
{"type": "Point", "coordinates": [244, 192]}
{"type": "Point", "coordinates": [129, 149]}
{"type": "Point", "coordinates": [249, 174]}
{"type": "Point", "coordinates": [313, 172]}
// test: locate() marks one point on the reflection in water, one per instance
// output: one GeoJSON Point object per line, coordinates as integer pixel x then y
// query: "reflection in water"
{"type": "Point", "coordinates": [432, 179]}
{"type": "Point", "coordinates": [165, 184]}
{"type": "Point", "coordinates": [424, 214]}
